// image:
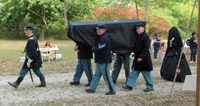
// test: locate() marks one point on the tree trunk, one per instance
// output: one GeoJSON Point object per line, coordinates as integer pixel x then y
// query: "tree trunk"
{"type": "Point", "coordinates": [65, 12]}
{"type": "Point", "coordinates": [41, 33]}
{"type": "Point", "coordinates": [137, 9]}
{"type": "Point", "coordinates": [41, 29]}
{"type": "Point", "coordinates": [145, 17]}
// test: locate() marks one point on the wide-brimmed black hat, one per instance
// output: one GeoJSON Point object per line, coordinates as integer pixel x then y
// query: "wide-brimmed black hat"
{"type": "Point", "coordinates": [30, 28]}
{"type": "Point", "coordinates": [101, 26]}
{"type": "Point", "coordinates": [138, 25]}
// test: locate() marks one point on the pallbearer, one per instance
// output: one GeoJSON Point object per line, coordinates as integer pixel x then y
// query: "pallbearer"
{"type": "Point", "coordinates": [103, 59]}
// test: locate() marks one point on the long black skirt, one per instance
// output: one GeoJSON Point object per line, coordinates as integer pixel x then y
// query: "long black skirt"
{"type": "Point", "coordinates": [169, 67]}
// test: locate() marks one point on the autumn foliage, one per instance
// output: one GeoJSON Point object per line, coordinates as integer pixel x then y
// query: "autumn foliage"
{"type": "Point", "coordinates": [121, 12]}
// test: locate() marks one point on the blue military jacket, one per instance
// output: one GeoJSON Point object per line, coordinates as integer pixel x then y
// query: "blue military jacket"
{"type": "Point", "coordinates": [33, 53]}
{"type": "Point", "coordinates": [102, 50]}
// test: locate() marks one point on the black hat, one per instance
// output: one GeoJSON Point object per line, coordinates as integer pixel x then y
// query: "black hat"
{"type": "Point", "coordinates": [30, 27]}
{"type": "Point", "coordinates": [101, 26]}
{"type": "Point", "coordinates": [138, 25]}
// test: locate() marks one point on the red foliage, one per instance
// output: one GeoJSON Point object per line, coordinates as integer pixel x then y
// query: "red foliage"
{"type": "Point", "coordinates": [120, 12]}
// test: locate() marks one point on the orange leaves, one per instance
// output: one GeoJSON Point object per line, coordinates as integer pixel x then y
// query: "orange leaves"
{"type": "Point", "coordinates": [121, 12]}
{"type": "Point", "coordinates": [115, 13]}
{"type": "Point", "coordinates": [156, 23]}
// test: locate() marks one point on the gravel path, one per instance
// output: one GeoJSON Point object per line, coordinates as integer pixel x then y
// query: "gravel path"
{"type": "Point", "coordinates": [58, 88]}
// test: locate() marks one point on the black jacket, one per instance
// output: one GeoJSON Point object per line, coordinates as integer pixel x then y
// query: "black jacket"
{"type": "Point", "coordinates": [192, 44]}
{"type": "Point", "coordinates": [85, 51]}
{"type": "Point", "coordinates": [32, 53]}
{"type": "Point", "coordinates": [141, 50]}
{"type": "Point", "coordinates": [102, 50]}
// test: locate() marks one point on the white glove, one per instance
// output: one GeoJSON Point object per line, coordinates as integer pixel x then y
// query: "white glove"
{"type": "Point", "coordinates": [29, 63]}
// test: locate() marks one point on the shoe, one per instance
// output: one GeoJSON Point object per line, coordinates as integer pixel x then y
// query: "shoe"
{"type": "Point", "coordinates": [74, 83]}
{"type": "Point", "coordinates": [155, 59]}
{"type": "Point", "coordinates": [87, 84]}
{"type": "Point", "coordinates": [89, 91]}
{"type": "Point", "coordinates": [16, 83]}
{"type": "Point", "coordinates": [43, 82]}
{"type": "Point", "coordinates": [191, 61]}
{"type": "Point", "coordinates": [127, 87]}
{"type": "Point", "coordinates": [147, 90]}
{"type": "Point", "coordinates": [110, 93]}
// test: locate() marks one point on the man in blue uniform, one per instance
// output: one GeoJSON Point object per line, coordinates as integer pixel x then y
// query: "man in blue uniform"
{"type": "Point", "coordinates": [103, 59]}
{"type": "Point", "coordinates": [84, 63]}
{"type": "Point", "coordinates": [32, 61]}
{"type": "Point", "coordinates": [142, 62]}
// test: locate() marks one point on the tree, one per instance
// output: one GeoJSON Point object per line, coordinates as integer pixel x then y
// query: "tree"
{"type": "Point", "coordinates": [120, 12]}
{"type": "Point", "coordinates": [145, 17]}
{"type": "Point", "coordinates": [80, 10]}
{"type": "Point", "coordinates": [39, 11]}
{"type": "Point", "coordinates": [136, 9]}
{"type": "Point", "coordinates": [65, 12]}
{"type": "Point", "coordinates": [44, 12]}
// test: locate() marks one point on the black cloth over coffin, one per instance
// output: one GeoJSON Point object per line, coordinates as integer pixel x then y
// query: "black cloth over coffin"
{"type": "Point", "coordinates": [122, 33]}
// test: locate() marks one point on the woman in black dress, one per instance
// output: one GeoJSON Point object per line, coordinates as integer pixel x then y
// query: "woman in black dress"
{"type": "Point", "coordinates": [172, 57]}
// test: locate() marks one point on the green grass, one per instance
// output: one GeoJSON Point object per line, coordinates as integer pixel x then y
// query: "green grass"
{"type": "Point", "coordinates": [10, 53]}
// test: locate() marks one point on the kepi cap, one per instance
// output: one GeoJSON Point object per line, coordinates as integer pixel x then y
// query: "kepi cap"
{"type": "Point", "coordinates": [101, 26]}
{"type": "Point", "coordinates": [138, 25]}
{"type": "Point", "coordinates": [30, 28]}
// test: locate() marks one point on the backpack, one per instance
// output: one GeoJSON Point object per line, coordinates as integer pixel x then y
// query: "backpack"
{"type": "Point", "coordinates": [188, 42]}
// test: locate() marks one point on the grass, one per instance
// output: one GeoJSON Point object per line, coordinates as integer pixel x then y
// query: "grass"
{"type": "Point", "coordinates": [10, 53]}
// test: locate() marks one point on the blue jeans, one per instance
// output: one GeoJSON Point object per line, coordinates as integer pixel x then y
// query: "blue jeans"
{"type": "Point", "coordinates": [156, 48]}
{"type": "Point", "coordinates": [102, 69]}
{"type": "Point", "coordinates": [134, 76]}
{"type": "Point", "coordinates": [83, 64]}
{"type": "Point", "coordinates": [24, 71]}
{"type": "Point", "coordinates": [193, 53]}
{"type": "Point", "coordinates": [118, 64]}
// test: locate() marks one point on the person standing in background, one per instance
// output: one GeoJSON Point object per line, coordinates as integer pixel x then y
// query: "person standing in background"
{"type": "Point", "coordinates": [156, 45]}
{"type": "Point", "coordinates": [162, 47]}
{"type": "Point", "coordinates": [193, 47]}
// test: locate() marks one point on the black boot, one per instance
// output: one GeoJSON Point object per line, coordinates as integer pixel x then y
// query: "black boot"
{"type": "Point", "coordinates": [16, 83]}
{"type": "Point", "coordinates": [43, 82]}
